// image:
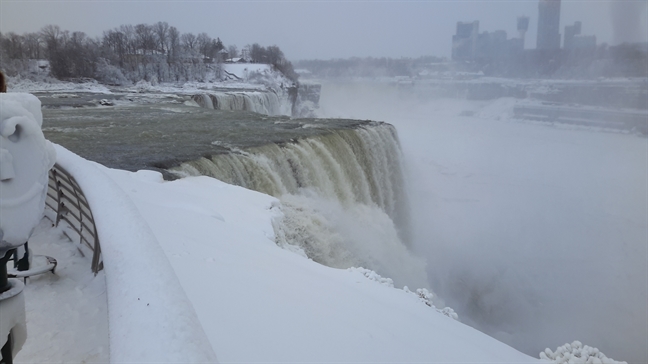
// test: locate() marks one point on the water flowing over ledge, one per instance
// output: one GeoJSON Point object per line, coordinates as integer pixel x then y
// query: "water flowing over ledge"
{"type": "Point", "coordinates": [343, 196]}
{"type": "Point", "coordinates": [360, 165]}
{"type": "Point", "coordinates": [267, 103]}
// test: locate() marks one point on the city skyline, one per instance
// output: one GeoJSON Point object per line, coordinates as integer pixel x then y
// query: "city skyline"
{"type": "Point", "coordinates": [324, 30]}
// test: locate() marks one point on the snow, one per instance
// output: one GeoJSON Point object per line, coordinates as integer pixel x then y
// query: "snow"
{"type": "Point", "coordinates": [200, 256]}
{"type": "Point", "coordinates": [17, 84]}
{"type": "Point", "coordinates": [252, 76]}
{"type": "Point", "coordinates": [148, 314]}
{"type": "Point", "coordinates": [67, 318]}
{"type": "Point", "coordinates": [25, 159]}
{"type": "Point", "coordinates": [12, 311]}
{"type": "Point", "coordinates": [576, 353]}
{"type": "Point", "coordinates": [244, 70]}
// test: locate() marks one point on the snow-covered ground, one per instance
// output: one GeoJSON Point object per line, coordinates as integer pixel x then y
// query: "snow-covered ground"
{"type": "Point", "coordinates": [248, 76]}
{"type": "Point", "coordinates": [67, 318]}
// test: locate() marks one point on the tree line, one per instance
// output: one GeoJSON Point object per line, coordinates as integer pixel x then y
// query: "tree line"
{"type": "Point", "coordinates": [155, 52]}
{"type": "Point", "coordinates": [370, 66]}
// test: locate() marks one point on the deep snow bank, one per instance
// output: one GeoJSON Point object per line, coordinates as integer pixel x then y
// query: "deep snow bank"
{"type": "Point", "coordinates": [200, 255]}
{"type": "Point", "coordinates": [150, 319]}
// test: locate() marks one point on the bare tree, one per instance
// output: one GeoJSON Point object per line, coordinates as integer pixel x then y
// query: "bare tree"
{"type": "Point", "coordinates": [245, 52]}
{"type": "Point", "coordinates": [232, 51]}
{"type": "Point", "coordinates": [188, 42]}
{"type": "Point", "coordinates": [145, 38]}
{"type": "Point", "coordinates": [14, 44]}
{"type": "Point", "coordinates": [129, 37]}
{"type": "Point", "coordinates": [51, 35]}
{"type": "Point", "coordinates": [204, 44]}
{"type": "Point", "coordinates": [174, 44]}
{"type": "Point", "coordinates": [258, 54]}
{"type": "Point", "coordinates": [115, 45]}
{"type": "Point", "coordinates": [161, 30]}
{"type": "Point", "coordinates": [32, 46]}
{"type": "Point", "coordinates": [81, 55]}
{"type": "Point", "coordinates": [274, 55]}
{"type": "Point", "coordinates": [127, 52]}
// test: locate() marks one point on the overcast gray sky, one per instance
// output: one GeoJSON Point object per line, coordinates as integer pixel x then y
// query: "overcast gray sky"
{"type": "Point", "coordinates": [329, 29]}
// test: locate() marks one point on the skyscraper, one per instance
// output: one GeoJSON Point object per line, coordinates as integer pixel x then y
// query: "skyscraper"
{"type": "Point", "coordinates": [522, 27]}
{"type": "Point", "coordinates": [570, 32]}
{"type": "Point", "coordinates": [548, 24]}
{"type": "Point", "coordinates": [464, 43]}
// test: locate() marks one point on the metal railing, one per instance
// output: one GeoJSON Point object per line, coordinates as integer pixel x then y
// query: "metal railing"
{"type": "Point", "coordinates": [64, 196]}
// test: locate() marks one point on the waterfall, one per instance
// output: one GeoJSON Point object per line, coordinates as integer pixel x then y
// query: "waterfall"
{"type": "Point", "coordinates": [342, 194]}
{"type": "Point", "coordinates": [268, 103]}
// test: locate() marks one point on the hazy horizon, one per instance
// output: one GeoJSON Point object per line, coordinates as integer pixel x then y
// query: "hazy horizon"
{"type": "Point", "coordinates": [325, 30]}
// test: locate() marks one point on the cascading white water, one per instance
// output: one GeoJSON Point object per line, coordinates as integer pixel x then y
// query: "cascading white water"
{"type": "Point", "coordinates": [268, 103]}
{"type": "Point", "coordinates": [342, 193]}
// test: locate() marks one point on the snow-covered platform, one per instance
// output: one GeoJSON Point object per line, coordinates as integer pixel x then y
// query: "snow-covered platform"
{"type": "Point", "coordinates": [67, 312]}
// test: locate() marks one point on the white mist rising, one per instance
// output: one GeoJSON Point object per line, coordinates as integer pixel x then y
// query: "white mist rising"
{"type": "Point", "coordinates": [534, 234]}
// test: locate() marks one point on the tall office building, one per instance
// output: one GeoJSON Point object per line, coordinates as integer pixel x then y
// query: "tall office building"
{"type": "Point", "coordinates": [571, 31]}
{"type": "Point", "coordinates": [522, 27]}
{"type": "Point", "coordinates": [548, 24]}
{"type": "Point", "coordinates": [464, 43]}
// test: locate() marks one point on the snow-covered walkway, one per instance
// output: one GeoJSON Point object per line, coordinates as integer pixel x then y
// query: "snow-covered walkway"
{"type": "Point", "coordinates": [67, 318]}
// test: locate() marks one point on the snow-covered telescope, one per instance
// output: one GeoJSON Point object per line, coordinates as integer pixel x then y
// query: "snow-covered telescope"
{"type": "Point", "coordinates": [25, 159]}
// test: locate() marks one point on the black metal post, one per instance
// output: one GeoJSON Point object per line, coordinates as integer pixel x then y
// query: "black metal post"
{"type": "Point", "coordinates": [7, 356]}
{"type": "Point", "coordinates": [4, 279]}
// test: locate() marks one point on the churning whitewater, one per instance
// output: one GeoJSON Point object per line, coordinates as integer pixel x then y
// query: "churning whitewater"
{"type": "Point", "coordinates": [343, 197]}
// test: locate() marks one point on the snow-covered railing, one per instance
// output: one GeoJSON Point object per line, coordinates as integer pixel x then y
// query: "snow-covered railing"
{"type": "Point", "coordinates": [66, 198]}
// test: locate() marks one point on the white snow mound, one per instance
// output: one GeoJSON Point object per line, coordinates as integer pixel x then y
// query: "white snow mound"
{"type": "Point", "coordinates": [577, 353]}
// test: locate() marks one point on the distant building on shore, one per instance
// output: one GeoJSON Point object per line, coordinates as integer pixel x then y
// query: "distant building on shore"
{"type": "Point", "coordinates": [573, 39]}
{"type": "Point", "coordinates": [548, 25]}
{"type": "Point", "coordinates": [522, 27]}
{"type": "Point", "coordinates": [468, 44]}
{"type": "Point", "coordinates": [464, 43]}
{"type": "Point", "coordinates": [493, 53]}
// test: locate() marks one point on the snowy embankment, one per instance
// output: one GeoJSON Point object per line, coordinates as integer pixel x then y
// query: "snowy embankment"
{"type": "Point", "coordinates": [243, 86]}
{"type": "Point", "coordinates": [149, 317]}
{"type": "Point", "coordinates": [192, 271]}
